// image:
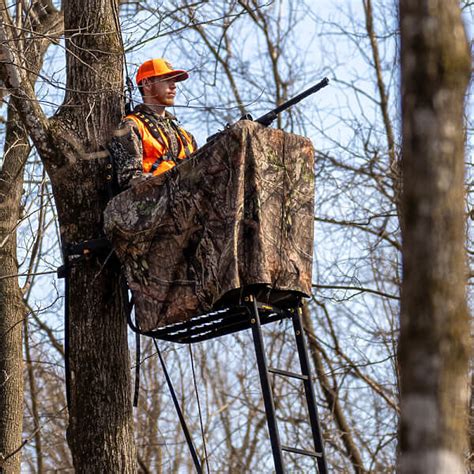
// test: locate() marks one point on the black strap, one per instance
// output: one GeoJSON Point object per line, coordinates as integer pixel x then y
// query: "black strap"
{"type": "Point", "coordinates": [182, 138]}
{"type": "Point", "coordinates": [67, 368]}
{"type": "Point", "coordinates": [136, 390]}
{"type": "Point", "coordinates": [150, 123]}
{"type": "Point", "coordinates": [128, 308]}
{"type": "Point", "coordinates": [111, 180]}
{"type": "Point", "coordinates": [166, 157]}
{"type": "Point", "coordinates": [128, 91]}
{"type": "Point", "coordinates": [184, 426]}
{"type": "Point", "coordinates": [199, 409]}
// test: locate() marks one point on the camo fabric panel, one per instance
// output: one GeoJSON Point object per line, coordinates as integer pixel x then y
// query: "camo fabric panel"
{"type": "Point", "coordinates": [238, 213]}
{"type": "Point", "coordinates": [127, 151]}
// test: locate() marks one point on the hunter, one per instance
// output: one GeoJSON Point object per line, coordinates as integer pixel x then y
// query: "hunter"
{"type": "Point", "coordinates": [149, 141]}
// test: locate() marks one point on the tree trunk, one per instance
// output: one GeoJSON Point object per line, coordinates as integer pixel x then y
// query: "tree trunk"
{"type": "Point", "coordinates": [71, 146]}
{"type": "Point", "coordinates": [434, 339]}
{"type": "Point", "coordinates": [100, 432]}
{"type": "Point", "coordinates": [12, 309]}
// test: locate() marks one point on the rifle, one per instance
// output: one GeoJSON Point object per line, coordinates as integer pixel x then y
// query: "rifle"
{"type": "Point", "coordinates": [269, 117]}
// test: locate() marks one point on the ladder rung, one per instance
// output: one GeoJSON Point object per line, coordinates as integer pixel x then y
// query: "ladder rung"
{"type": "Point", "coordinates": [287, 374]}
{"type": "Point", "coordinates": [302, 451]}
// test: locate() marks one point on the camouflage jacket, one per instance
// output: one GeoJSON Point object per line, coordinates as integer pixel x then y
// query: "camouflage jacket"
{"type": "Point", "coordinates": [127, 148]}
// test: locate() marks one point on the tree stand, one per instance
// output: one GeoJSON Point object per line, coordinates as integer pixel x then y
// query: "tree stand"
{"type": "Point", "coordinates": [251, 314]}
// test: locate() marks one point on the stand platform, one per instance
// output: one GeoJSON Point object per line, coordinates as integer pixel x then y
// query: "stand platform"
{"type": "Point", "coordinates": [217, 323]}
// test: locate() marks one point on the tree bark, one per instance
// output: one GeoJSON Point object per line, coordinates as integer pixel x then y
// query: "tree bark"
{"type": "Point", "coordinates": [434, 341]}
{"type": "Point", "coordinates": [12, 309]}
{"type": "Point", "coordinates": [71, 145]}
{"type": "Point", "coordinates": [100, 432]}
{"type": "Point", "coordinates": [45, 20]}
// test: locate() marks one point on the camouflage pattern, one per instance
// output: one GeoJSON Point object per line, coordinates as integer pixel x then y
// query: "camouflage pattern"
{"type": "Point", "coordinates": [126, 145]}
{"type": "Point", "coordinates": [238, 213]}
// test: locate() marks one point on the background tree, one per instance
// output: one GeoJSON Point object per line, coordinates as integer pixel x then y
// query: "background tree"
{"type": "Point", "coordinates": [36, 27]}
{"type": "Point", "coordinates": [434, 339]}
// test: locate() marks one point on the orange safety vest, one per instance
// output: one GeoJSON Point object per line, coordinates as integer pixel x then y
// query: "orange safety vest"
{"type": "Point", "coordinates": [154, 149]}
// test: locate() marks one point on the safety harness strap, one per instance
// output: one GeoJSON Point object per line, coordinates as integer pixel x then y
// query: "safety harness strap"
{"type": "Point", "coordinates": [177, 406]}
{"type": "Point", "coordinates": [156, 132]}
{"type": "Point", "coordinates": [184, 141]}
{"type": "Point", "coordinates": [184, 426]}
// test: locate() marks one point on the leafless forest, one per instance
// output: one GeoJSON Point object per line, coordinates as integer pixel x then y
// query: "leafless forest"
{"type": "Point", "coordinates": [244, 56]}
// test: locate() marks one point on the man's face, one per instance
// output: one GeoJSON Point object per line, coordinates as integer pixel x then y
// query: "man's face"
{"type": "Point", "coordinates": [159, 91]}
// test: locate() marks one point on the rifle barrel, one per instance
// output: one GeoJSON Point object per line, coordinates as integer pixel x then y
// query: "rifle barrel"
{"type": "Point", "coordinates": [269, 117]}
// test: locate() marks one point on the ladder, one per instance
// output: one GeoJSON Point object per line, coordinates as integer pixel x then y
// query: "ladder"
{"type": "Point", "coordinates": [305, 376]}
{"type": "Point", "coordinates": [250, 313]}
